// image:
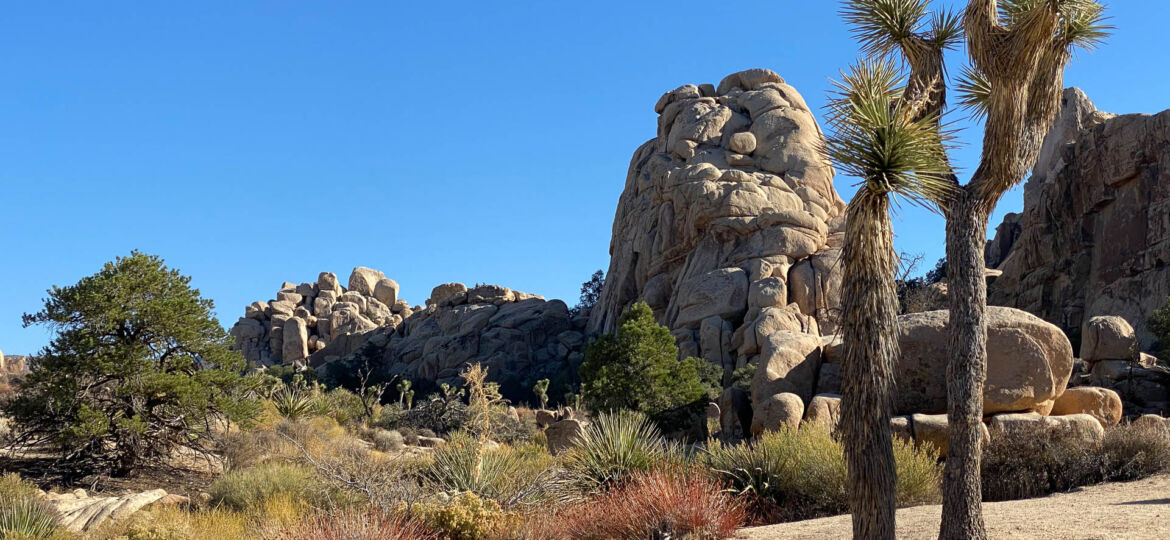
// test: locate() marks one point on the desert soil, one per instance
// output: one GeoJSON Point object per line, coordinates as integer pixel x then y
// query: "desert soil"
{"type": "Point", "coordinates": [1132, 510]}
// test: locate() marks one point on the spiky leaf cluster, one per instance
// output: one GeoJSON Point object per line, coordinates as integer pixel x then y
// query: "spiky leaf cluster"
{"type": "Point", "coordinates": [882, 27]}
{"type": "Point", "coordinates": [876, 139]}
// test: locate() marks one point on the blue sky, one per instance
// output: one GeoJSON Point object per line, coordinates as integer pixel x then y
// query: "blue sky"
{"type": "Point", "coordinates": [249, 143]}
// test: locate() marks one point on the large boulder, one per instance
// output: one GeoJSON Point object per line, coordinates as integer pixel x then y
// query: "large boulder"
{"type": "Point", "coordinates": [1029, 362]}
{"type": "Point", "coordinates": [777, 412]}
{"type": "Point", "coordinates": [364, 280]}
{"type": "Point", "coordinates": [1108, 338]}
{"type": "Point", "coordinates": [1100, 403]}
{"type": "Point", "coordinates": [1093, 238]}
{"type": "Point", "coordinates": [788, 363]}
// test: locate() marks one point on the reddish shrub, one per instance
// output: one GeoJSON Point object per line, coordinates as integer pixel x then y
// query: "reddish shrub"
{"type": "Point", "coordinates": [351, 525]}
{"type": "Point", "coordinates": [674, 503]}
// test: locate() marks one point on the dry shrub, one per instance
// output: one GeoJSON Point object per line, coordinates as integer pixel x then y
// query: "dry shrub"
{"type": "Point", "coordinates": [387, 440]}
{"type": "Point", "coordinates": [356, 525]}
{"type": "Point", "coordinates": [466, 516]}
{"type": "Point", "coordinates": [1133, 451]}
{"type": "Point", "coordinates": [1037, 464]}
{"type": "Point", "coordinates": [677, 502]}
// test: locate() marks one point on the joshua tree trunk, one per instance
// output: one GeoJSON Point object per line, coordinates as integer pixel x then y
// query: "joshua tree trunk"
{"type": "Point", "coordinates": [869, 330]}
{"type": "Point", "coordinates": [962, 516]}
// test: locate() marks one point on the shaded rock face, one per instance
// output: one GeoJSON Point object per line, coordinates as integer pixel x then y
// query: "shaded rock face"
{"type": "Point", "coordinates": [728, 226]}
{"type": "Point", "coordinates": [519, 337]}
{"type": "Point", "coordinates": [1094, 236]}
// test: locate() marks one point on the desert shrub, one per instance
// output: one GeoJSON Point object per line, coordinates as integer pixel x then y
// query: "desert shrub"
{"type": "Point", "coordinates": [466, 516]}
{"type": "Point", "coordinates": [356, 525]}
{"type": "Point", "coordinates": [343, 406]}
{"type": "Point", "coordinates": [616, 445]}
{"type": "Point", "coordinates": [138, 367]}
{"type": "Point", "coordinates": [440, 413]}
{"type": "Point", "coordinates": [504, 474]}
{"type": "Point", "coordinates": [250, 489]}
{"type": "Point", "coordinates": [387, 440]}
{"type": "Point", "coordinates": [1133, 451]}
{"type": "Point", "coordinates": [243, 449]}
{"type": "Point", "coordinates": [1159, 324]}
{"type": "Point", "coordinates": [919, 474]}
{"type": "Point", "coordinates": [639, 370]}
{"type": "Point", "coordinates": [23, 514]}
{"type": "Point", "coordinates": [675, 502]}
{"type": "Point", "coordinates": [797, 474]}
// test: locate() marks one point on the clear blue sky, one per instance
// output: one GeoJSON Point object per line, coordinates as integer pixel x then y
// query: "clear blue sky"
{"type": "Point", "coordinates": [249, 143]}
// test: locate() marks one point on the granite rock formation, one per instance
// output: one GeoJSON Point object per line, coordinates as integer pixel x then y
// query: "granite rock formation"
{"type": "Point", "coordinates": [1094, 236]}
{"type": "Point", "coordinates": [728, 226]}
{"type": "Point", "coordinates": [519, 337]}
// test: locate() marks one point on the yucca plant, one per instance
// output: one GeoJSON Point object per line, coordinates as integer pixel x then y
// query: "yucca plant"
{"type": "Point", "coordinates": [615, 445]}
{"type": "Point", "coordinates": [1018, 51]}
{"type": "Point", "coordinates": [22, 513]}
{"type": "Point", "coordinates": [504, 474]}
{"type": "Point", "coordinates": [294, 403]}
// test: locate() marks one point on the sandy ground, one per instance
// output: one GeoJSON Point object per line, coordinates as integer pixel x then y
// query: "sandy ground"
{"type": "Point", "coordinates": [1134, 510]}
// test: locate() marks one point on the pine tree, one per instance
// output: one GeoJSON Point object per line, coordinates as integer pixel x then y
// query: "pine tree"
{"type": "Point", "coordinates": [139, 367]}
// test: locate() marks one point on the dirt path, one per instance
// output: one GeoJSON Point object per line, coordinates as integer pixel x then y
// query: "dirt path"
{"type": "Point", "coordinates": [1134, 510]}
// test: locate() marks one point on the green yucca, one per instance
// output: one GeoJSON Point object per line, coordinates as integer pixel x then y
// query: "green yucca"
{"type": "Point", "coordinates": [294, 403]}
{"type": "Point", "coordinates": [22, 513]}
{"type": "Point", "coordinates": [505, 474]}
{"type": "Point", "coordinates": [616, 445]}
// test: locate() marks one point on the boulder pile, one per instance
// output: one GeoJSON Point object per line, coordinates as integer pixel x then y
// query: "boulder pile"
{"type": "Point", "coordinates": [304, 319]}
{"type": "Point", "coordinates": [1111, 359]}
{"type": "Point", "coordinates": [519, 337]}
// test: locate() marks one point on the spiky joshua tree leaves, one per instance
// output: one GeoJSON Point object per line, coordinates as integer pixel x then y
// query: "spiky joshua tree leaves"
{"type": "Point", "coordinates": [880, 136]}
{"type": "Point", "coordinates": [1018, 51]}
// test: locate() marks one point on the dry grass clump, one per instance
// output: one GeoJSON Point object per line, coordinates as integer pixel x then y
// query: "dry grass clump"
{"type": "Point", "coordinates": [677, 502]}
{"type": "Point", "coordinates": [250, 489]}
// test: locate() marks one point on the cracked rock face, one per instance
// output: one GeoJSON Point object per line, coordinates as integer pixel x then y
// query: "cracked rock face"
{"type": "Point", "coordinates": [1094, 236]}
{"type": "Point", "coordinates": [729, 226]}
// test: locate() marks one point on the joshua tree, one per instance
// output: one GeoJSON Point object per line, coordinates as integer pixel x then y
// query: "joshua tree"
{"type": "Point", "coordinates": [403, 387]}
{"type": "Point", "coordinates": [1018, 51]}
{"type": "Point", "coordinates": [881, 137]}
{"type": "Point", "coordinates": [541, 391]}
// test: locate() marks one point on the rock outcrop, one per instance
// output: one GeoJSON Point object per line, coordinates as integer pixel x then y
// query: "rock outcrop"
{"type": "Point", "coordinates": [728, 226]}
{"type": "Point", "coordinates": [307, 318]}
{"type": "Point", "coordinates": [1094, 236]}
{"type": "Point", "coordinates": [519, 337]}
{"type": "Point", "coordinates": [81, 512]}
